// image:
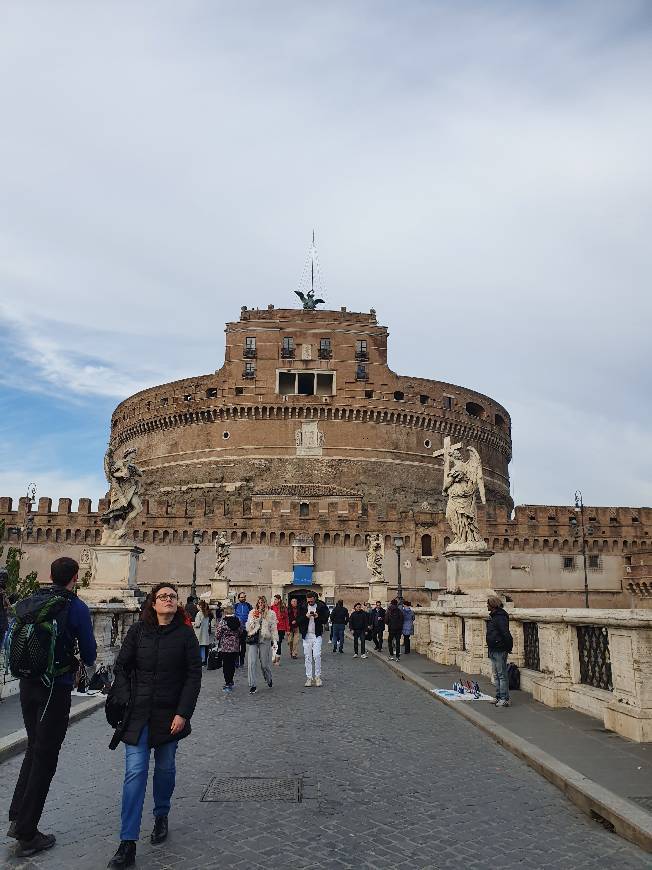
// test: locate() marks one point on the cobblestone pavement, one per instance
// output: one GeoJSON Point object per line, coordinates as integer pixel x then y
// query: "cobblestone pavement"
{"type": "Point", "coordinates": [393, 779]}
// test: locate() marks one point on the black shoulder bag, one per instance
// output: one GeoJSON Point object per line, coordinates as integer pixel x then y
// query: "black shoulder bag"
{"type": "Point", "coordinates": [117, 712]}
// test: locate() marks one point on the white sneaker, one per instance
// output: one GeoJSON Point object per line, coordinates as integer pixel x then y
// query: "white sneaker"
{"type": "Point", "coordinates": [308, 683]}
{"type": "Point", "coordinates": [355, 655]}
{"type": "Point", "coordinates": [363, 656]}
{"type": "Point", "coordinates": [318, 681]}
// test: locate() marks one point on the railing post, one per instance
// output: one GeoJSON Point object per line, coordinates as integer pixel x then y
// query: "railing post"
{"type": "Point", "coordinates": [551, 685]}
{"type": "Point", "coordinates": [630, 711]}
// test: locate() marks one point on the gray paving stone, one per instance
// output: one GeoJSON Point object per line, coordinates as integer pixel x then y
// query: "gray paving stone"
{"type": "Point", "coordinates": [393, 780]}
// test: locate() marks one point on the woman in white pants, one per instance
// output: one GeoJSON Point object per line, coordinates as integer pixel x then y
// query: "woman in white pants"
{"type": "Point", "coordinates": [262, 641]}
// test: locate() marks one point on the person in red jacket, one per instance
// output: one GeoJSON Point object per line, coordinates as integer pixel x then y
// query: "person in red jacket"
{"type": "Point", "coordinates": [282, 621]}
{"type": "Point", "coordinates": [293, 631]}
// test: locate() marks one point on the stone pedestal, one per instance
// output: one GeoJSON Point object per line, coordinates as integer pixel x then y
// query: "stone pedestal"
{"type": "Point", "coordinates": [219, 590]}
{"type": "Point", "coordinates": [113, 576]}
{"type": "Point", "coordinates": [378, 592]}
{"type": "Point", "coordinates": [468, 570]}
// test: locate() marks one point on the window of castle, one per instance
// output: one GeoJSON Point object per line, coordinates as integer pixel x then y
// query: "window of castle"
{"type": "Point", "coordinates": [499, 420]}
{"type": "Point", "coordinates": [569, 563]}
{"type": "Point", "coordinates": [474, 410]}
{"type": "Point", "coordinates": [426, 545]}
{"type": "Point", "coordinates": [447, 402]}
{"type": "Point", "coordinates": [212, 393]}
{"type": "Point", "coordinates": [399, 396]}
{"type": "Point", "coordinates": [423, 399]}
{"type": "Point", "coordinates": [304, 509]}
{"type": "Point", "coordinates": [368, 394]}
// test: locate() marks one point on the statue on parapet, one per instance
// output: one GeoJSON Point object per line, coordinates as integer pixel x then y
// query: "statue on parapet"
{"type": "Point", "coordinates": [375, 557]}
{"type": "Point", "coordinates": [463, 481]}
{"type": "Point", "coordinates": [309, 301]}
{"type": "Point", "coordinates": [222, 555]}
{"type": "Point", "coordinates": [124, 479]}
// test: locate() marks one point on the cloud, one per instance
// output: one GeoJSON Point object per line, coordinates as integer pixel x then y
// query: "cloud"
{"type": "Point", "coordinates": [478, 173]}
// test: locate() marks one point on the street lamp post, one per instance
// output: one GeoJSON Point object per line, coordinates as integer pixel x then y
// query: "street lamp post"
{"type": "Point", "coordinates": [196, 540]}
{"type": "Point", "coordinates": [579, 509]}
{"type": "Point", "coordinates": [24, 532]}
{"type": "Point", "coordinates": [398, 543]}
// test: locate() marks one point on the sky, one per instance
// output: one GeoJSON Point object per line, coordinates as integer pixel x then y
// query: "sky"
{"type": "Point", "coordinates": [478, 172]}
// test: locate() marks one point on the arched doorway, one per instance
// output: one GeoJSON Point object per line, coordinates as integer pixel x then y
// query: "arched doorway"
{"type": "Point", "coordinates": [300, 593]}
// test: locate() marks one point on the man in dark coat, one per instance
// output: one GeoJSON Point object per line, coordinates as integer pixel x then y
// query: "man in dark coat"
{"type": "Point", "coordinates": [394, 622]}
{"type": "Point", "coordinates": [339, 619]}
{"type": "Point", "coordinates": [358, 623]}
{"type": "Point", "coordinates": [499, 645]}
{"type": "Point", "coordinates": [377, 624]}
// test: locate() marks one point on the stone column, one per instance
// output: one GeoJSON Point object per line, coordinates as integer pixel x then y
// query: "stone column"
{"type": "Point", "coordinates": [473, 659]}
{"type": "Point", "coordinates": [469, 572]}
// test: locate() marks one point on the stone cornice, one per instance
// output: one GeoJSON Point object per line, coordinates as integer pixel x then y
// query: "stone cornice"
{"type": "Point", "coordinates": [423, 421]}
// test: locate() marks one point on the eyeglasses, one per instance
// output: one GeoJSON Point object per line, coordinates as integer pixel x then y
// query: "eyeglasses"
{"type": "Point", "coordinates": [167, 596]}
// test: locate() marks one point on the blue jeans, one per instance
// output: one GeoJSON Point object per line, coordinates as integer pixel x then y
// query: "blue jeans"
{"type": "Point", "coordinates": [135, 784]}
{"type": "Point", "coordinates": [338, 636]}
{"type": "Point", "coordinates": [499, 668]}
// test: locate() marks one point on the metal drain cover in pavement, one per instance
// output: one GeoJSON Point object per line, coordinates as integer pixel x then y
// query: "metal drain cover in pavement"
{"type": "Point", "coordinates": [254, 788]}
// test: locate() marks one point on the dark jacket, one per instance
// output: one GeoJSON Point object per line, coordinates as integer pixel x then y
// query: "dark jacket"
{"type": "Point", "coordinates": [167, 671]}
{"type": "Point", "coordinates": [394, 618]}
{"type": "Point", "coordinates": [499, 638]}
{"type": "Point", "coordinates": [339, 615]}
{"type": "Point", "coordinates": [359, 621]}
{"type": "Point", "coordinates": [377, 619]}
{"type": "Point", "coordinates": [293, 616]}
{"type": "Point", "coordinates": [321, 619]}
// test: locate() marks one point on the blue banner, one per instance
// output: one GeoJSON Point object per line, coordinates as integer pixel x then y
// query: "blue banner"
{"type": "Point", "coordinates": [302, 575]}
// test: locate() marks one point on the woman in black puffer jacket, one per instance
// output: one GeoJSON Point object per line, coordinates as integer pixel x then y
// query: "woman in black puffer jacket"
{"type": "Point", "coordinates": [158, 671]}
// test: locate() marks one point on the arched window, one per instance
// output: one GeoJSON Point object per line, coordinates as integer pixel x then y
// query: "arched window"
{"type": "Point", "coordinates": [281, 538]}
{"type": "Point", "coordinates": [155, 536]}
{"type": "Point", "coordinates": [336, 538]}
{"type": "Point", "coordinates": [272, 537]}
{"type": "Point", "coordinates": [327, 538]}
{"type": "Point", "coordinates": [291, 538]}
{"type": "Point", "coordinates": [474, 410]}
{"type": "Point", "coordinates": [399, 396]}
{"type": "Point", "coordinates": [243, 537]}
{"type": "Point", "coordinates": [316, 539]}
{"type": "Point", "coordinates": [347, 540]}
{"type": "Point", "coordinates": [98, 535]}
{"type": "Point", "coordinates": [357, 541]}
{"type": "Point", "coordinates": [166, 537]}
{"type": "Point", "coordinates": [426, 545]}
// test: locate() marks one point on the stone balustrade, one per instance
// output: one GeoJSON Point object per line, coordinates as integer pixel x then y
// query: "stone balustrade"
{"type": "Point", "coordinates": [598, 662]}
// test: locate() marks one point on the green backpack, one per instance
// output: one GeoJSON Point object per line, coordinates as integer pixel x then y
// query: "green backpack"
{"type": "Point", "coordinates": [34, 649]}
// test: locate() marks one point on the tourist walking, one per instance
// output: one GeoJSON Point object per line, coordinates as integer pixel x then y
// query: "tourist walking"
{"type": "Point", "coordinates": [241, 610]}
{"type": "Point", "coordinates": [202, 625]}
{"type": "Point", "coordinates": [157, 678]}
{"type": "Point", "coordinates": [45, 697]}
{"type": "Point", "coordinates": [293, 632]}
{"type": "Point", "coordinates": [499, 645]}
{"type": "Point", "coordinates": [408, 626]}
{"type": "Point", "coordinates": [262, 640]}
{"type": "Point", "coordinates": [377, 625]}
{"type": "Point", "coordinates": [313, 618]}
{"type": "Point", "coordinates": [359, 623]}
{"type": "Point", "coordinates": [282, 621]}
{"type": "Point", "coordinates": [227, 638]}
{"type": "Point", "coordinates": [394, 622]}
{"type": "Point", "coordinates": [339, 620]}
{"type": "Point", "coordinates": [191, 607]}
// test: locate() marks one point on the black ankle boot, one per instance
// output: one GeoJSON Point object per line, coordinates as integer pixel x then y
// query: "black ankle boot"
{"type": "Point", "coordinates": [125, 856]}
{"type": "Point", "coordinates": [160, 831]}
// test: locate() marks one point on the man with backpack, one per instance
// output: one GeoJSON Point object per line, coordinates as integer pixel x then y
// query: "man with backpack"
{"type": "Point", "coordinates": [41, 654]}
{"type": "Point", "coordinates": [499, 645]}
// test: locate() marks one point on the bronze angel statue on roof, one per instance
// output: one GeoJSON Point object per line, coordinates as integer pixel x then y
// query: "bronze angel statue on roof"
{"type": "Point", "coordinates": [308, 299]}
